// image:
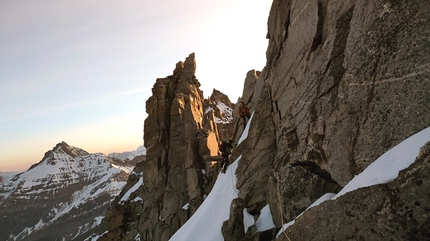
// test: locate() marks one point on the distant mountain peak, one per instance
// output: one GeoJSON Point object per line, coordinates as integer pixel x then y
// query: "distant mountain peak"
{"type": "Point", "coordinates": [69, 185]}
{"type": "Point", "coordinates": [218, 96]}
{"type": "Point", "coordinates": [130, 155]}
{"type": "Point", "coordinates": [69, 150]}
{"type": "Point", "coordinates": [61, 148]}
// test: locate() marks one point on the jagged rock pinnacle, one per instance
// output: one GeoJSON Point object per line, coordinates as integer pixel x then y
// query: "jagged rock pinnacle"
{"type": "Point", "coordinates": [179, 135]}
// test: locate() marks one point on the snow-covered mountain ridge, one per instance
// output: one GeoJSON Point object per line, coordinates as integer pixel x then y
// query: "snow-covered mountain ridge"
{"type": "Point", "coordinates": [130, 155]}
{"type": "Point", "coordinates": [226, 113]}
{"type": "Point", "coordinates": [69, 186]}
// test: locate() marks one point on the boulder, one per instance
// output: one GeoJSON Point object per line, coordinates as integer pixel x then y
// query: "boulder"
{"type": "Point", "coordinates": [233, 229]}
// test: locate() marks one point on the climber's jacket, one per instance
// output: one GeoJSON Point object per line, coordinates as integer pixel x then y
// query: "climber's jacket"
{"type": "Point", "coordinates": [244, 110]}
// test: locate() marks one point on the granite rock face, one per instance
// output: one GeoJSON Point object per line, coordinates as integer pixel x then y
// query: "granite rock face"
{"type": "Point", "coordinates": [344, 82]}
{"type": "Point", "coordinates": [233, 229]}
{"type": "Point", "coordinates": [181, 133]}
{"type": "Point", "coordinates": [395, 211]}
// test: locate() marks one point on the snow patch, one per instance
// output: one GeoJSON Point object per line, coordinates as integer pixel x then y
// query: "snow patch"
{"type": "Point", "coordinates": [186, 206]}
{"type": "Point", "coordinates": [387, 167]}
{"type": "Point", "coordinates": [137, 199]}
{"type": "Point", "coordinates": [227, 114]}
{"type": "Point", "coordinates": [246, 130]}
{"type": "Point", "coordinates": [97, 221]}
{"type": "Point", "coordinates": [206, 222]}
{"type": "Point", "coordinates": [208, 109]}
{"type": "Point", "coordinates": [248, 219]}
{"type": "Point", "coordinates": [39, 225]}
{"type": "Point", "coordinates": [137, 238]}
{"type": "Point", "coordinates": [95, 237]}
{"type": "Point", "coordinates": [131, 190]}
{"type": "Point", "coordinates": [265, 220]}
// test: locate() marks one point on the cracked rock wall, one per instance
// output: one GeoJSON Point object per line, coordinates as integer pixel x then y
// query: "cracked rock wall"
{"type": "Point", "coordinates": [344, 82]}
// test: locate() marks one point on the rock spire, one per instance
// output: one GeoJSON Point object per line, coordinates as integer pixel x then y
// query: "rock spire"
{"type": "Point", "coordinates": [180, 134]}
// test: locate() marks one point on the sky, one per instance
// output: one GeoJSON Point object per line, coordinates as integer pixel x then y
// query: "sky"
{"type": "Point", "coordinates": [81, 71]}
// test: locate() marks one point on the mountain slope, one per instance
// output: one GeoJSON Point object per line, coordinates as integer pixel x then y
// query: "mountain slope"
{"type": "Point", "coordinates": [206, 223]}
{"type": "Point", "coordinates": [4, 176]}
{"type": "Point", "coordinates": [64, 195]}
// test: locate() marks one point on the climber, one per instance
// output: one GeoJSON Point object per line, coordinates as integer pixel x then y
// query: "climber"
{"type": "Point", "coordinates": [244, 111]}
{"type": "Point", "coordinates": [225, 147]}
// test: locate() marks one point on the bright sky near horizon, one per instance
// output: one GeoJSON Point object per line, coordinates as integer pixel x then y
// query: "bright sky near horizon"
{"type": "Point", "coordinates": [81, 71]}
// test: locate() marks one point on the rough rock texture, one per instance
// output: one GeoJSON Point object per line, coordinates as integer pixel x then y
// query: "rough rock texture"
{"type": "Point", "coordinates": [250, 85]}
{"type": "Point", "coordinates": [248, 92]}
{"type": "Point", "coordinates": [395, 211]}
{"type": "Point", "coordinates": [179, 136]}
{"type": "Point", "coordinates": [255, 166]}
{"type": "Point", "coordinates": [233, 229]}
{"type": "Point", "coordinates": [222, 109]}
{"type": "Point", "coordinates": [344, 82]}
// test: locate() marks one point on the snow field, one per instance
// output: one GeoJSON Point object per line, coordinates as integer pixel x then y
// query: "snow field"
{"type": "Point", "coordinates": [205, 224]}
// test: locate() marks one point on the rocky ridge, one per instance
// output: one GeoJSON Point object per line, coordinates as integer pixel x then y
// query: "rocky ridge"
{"type": "Point", "coordinates": [181, 134]}
{"type": "Point", "coordinates": [64, 196]}
{"type": "Point", "coordinates": [344, 82]}
{"type": "Point", "coordinates": [330, 100]}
